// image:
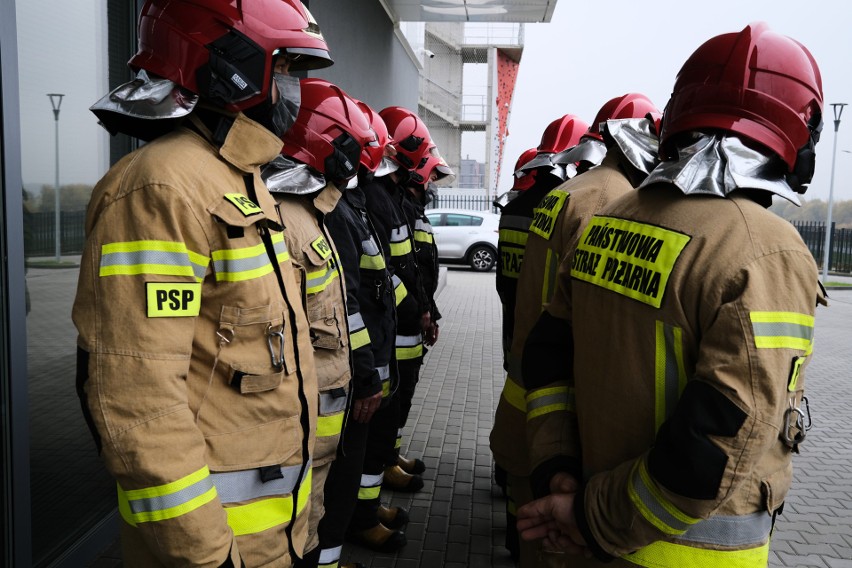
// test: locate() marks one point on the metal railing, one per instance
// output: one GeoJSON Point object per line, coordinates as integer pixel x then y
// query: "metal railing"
{"type": "Point", "coordinates": [494, 34]}
{"type": "Point", "coordinates": [467, 202]}
{"type": "Point", "coordinates": [40, 231]}
{"type": "Point", "coordinates": [840, 247]}
{"type": "Point", "coordinates": [474, 108]}
{"type": "Point", "coordinates": [440, 97]}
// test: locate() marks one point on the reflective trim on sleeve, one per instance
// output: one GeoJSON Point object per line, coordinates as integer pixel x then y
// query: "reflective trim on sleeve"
{"type": "Point", "coordinates": [280, 247]}
{"type": "Point", "coordinates": [329, 557]}
{"type": "Point", "coordinates": [359, 335]}
{"type": "Point", "coordinates": [329, 404]}
{"type": "Point", "coordinates": [261, 515]}
{"type": "Point", "coordinates": [399, 290]}
{"type": "Point", "coordinates": [548, 400]}
{"type": "Point", "coordinates": [663, 553]}
{"type": "Point", "coordinates": [423, 232]}
{"type": "Point", "coordinates": [318, 281]}
{"type": "Point", "coordinates": [409, 347]}
{"type": "Point", "coordinates": [166, 501]}
{"type": "Point", "coordinates": [328, 426]}
{"type": "Point", "coordinates": [162, 258]}
{"type": "Point", "coordinates": [371, 486]}
{"type": "Point", "coordinates": [783, 330]}
{"type": "Point", "coordinates": [514, 393]}
{"type": "Point", "coordinates": [372, 257]}
{"type": "Point", "coordinates": [384, 377]}
{"type": "Point", "coordinates": [400, 242]}
{"type": "Point", "coordinates": [653, 506]}
{"type": "Point", "coordinates": [669, 372]}
{"type": "Point", "coordinates": [235, 265]}
{"type": "Point", "coordinates": [551, 271]}
{"type": "Point", "coordinates": [245, 485]}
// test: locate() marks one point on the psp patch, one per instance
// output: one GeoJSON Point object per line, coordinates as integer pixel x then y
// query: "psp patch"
{"type": "Point", "coordinates": [632, 259]}
{"type": "Point", "coordinates": [173, 299]}
{"type": "Point", "coordinates": [322, 247]}
{"type": "Point", "coordinates": [246, 206]}
{"type": "Point", "coordinates": [544, 216]}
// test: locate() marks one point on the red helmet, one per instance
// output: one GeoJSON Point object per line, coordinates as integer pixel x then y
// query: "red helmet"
{"type": "Point", "coordinates": [223, 50]}
{"type": "Point", "coordinates": [758, 84]}
{"type": "Point", "coordinates": [434, 162]}
{"type": "Point", "coordinates": [410, 136]}
{"type": "Point", "coordinates": [524, 180]}
{"type": "Point", "coordinates": [329, 132]}
{"type": "Point", "coordinates": [562, 133]}
{"type": "Point", "coordinates": [371, 156]}
{"type": "Point", "coordinates": [631, 105]}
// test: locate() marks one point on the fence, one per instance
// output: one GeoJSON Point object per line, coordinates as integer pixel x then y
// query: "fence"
{"type": "Point", "coordinates": [840, 244]}
{"type": "Point", "coordinates": [468, 202]}
{"type": "Point", "coordinates": [40, 233]}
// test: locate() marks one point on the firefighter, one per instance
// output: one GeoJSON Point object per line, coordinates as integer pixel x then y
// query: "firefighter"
{"type": "Point", "coordinates": [557, 222]}
{"type": "Point", "coordinates": [690, 309]}
{"type": "Point", "coordinates": [195, 364]}
{"type": "Point", "coordinates": [516, 216]}
{"type": "Point", "coordinates": [372, 330]}
{"type": "Point", "coordinates": [320, 156]}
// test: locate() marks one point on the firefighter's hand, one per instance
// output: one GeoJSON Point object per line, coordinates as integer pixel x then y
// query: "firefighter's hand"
{"type": "Point", "coordinates": [425, 321]}
{"type": "Point", "coordinates": [432, 334]}
{"type": "Point", "coordinates": [364, 408]}
{"type": "Point", "coordinates": [563, 483]}
{"type": "Point", "coordinates": [552, 519]}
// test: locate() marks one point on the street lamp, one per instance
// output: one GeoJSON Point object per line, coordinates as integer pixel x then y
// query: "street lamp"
{"type": "Point", "coordinates": [56, 102]}
{"type": "Point", "coordinates": [838, 110]}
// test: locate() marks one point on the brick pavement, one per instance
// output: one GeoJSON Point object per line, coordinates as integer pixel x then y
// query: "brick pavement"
{"type": "Point", "coordinates": [457, 519]}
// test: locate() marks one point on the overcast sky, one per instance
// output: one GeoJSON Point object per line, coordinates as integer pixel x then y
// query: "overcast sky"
{"type": "Point", "coordinates": [593, 51]}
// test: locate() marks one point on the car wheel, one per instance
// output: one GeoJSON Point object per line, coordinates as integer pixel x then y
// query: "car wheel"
{"type": "Point", "coordinates": [482, 258]}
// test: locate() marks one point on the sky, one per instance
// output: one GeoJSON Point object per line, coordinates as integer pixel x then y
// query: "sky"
{"type": "Point", "coordinates": [591, 52]}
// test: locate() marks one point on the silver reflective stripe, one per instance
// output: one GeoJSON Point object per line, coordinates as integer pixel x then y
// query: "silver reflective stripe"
{"type": "Point", "coordinates": [648, 499]}
{"type": "Point", "coordinates": [384, 372]}
{"type": "Point", "coordinates": [331, 405]}
{"type": "Point", "coordinates": [149, 257]}
{"type": "Point", "coordinates": [561, 398]}
{"type": "Point", "coordinates": [421, 225]}
{"type": "Point", "coordinates": [515, 222]}
{"type": "Point", "coordinates": [150, 504]}
{"type": "Point", "coordinates": [370, 247]}
{"type": "Point", "coordinates": [670, 373]}
{"type": "Point", "coordinates": [330, 555]}
{"type": "Point", "coordinates": [239, 486]}
{"type": "Point", "coordinates": [279, 246]}
{"type": "Point", "coordinates": [372, 480]}
{"type": "Point", "coordinates": [408, 340]}
{"type": "Point", "coordinates": [356, 322]}
{"type": "Point", "coordinates": [399, 234]}
{"type": "Point", "coordinates": [731, 531]}
{"type": "Point", "coordinates": [396, 281]}
{"type": "Point", "coordinates": [233, 265]}
{"type": "Point", "coordinates": [320, 280]}
{"type": "Point", "coordinates": [781, 329]}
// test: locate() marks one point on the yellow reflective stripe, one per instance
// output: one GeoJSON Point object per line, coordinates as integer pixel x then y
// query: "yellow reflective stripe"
{"type": "Point", "coordinates": [385, 389]}
{"type": "Point", "coordinates": [328, 426]}
{"type": "Point", "coordinates": [673, 555]}
{"type": "Point", "coordinates": [548, 400]}
{"type": "Point", "coordinates": [165, 258]}
{"type": "Point", "coordinates": [795, 372]}
{"type": "Point", "coordinates": [359, 339]}
{"type": "Point", "coordinates": [318, 281]}
{"type": "Point", "coordinates": [400, 292]}
{"type": "Point", "coordinates": [235, 265]}
{"type": "Point", "coordinates": [669, 371]}
{"type": "Point", "coordinates": [167, 501]}
{"type": "Point", "coordinates": [423, 237]}
{"type": "Point", "coordinates": [629, 258]}
{"type": "Point", "coordinates": [400, 249]}
{"type": "Point", "coordinates": [515, 394]}
{"type": "Point", "coordinates": [368, 493]}
{"type": "Point", "coordinates": [783, 330]}
{"type": "Point", "coordinates": [261, 515]}
{"type": "Point", "coordinates": [281, 252]}
{"type": "Point", "coordinates": [404, 353]}
{"type": "Point", "coordinates": [653, 506]}
{"type": "Point", "coordinates": [514, 237]}
{"type": "Point", "coordinates": [376, 262]}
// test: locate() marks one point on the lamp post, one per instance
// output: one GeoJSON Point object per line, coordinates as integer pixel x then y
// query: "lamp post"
{"type": "Point", "coordinates": [56, 102]}
{"type": "Point", "coordinates": [838, 110]}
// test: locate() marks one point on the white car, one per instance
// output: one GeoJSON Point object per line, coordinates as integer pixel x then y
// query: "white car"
{"type": "Point", "coordinates": [468, 237]}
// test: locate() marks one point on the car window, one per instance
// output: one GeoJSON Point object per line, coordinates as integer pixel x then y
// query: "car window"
{"type": "Point", "coordinates": [434, 219]}
{"type": "Point", "coordinates": [457, 220]}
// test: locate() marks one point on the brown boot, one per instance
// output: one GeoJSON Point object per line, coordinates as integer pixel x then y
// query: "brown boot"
{"type": "Point", "coordinates": [398, 480]}
{"type": "Point", "coordinates": [413, 466]}
{"type": "Point", "coordinates": [392, 517]}
{"type": "Point", "coordinates": [379, 538]}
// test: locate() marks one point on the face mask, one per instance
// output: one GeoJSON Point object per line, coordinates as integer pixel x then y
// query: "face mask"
{"type": "Point", "coordinates": [431, 193]}
{"type": "Point", "coordinates": [279, 117]}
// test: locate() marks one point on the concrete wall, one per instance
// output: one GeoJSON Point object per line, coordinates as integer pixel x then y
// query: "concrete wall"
{"type": "Point", "coordinates": [370, 62]}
